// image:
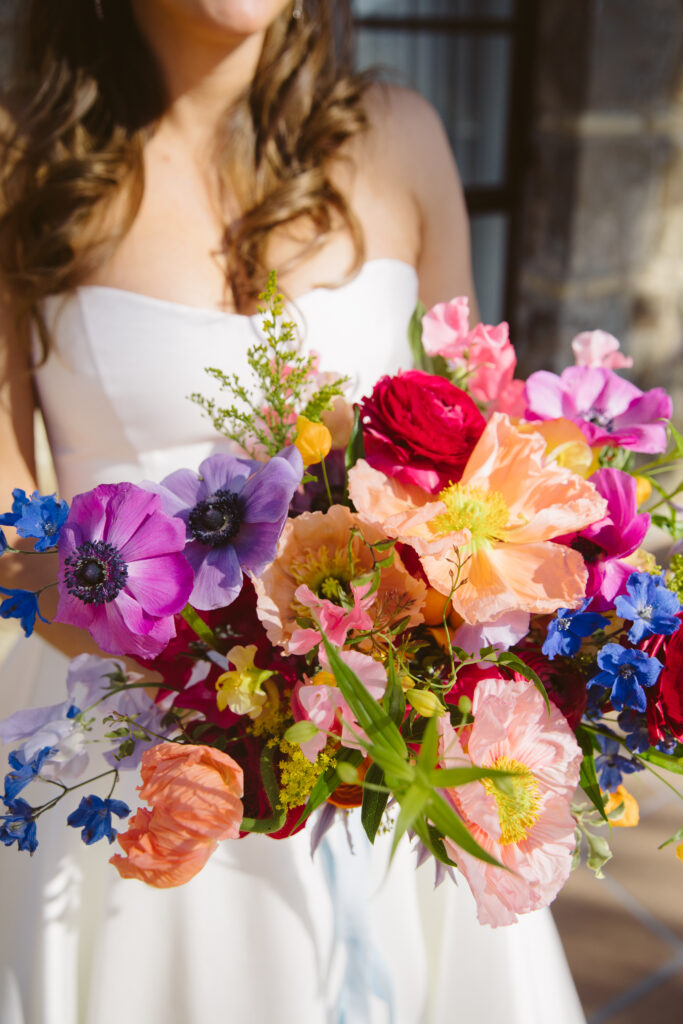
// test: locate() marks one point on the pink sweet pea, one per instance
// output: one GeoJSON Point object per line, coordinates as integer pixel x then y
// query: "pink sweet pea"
{"type": "Point", "coordinates": [335, 620]}
{"type": "Point", "coordinates": [598, 348]}
{"type": "Point", "coordinates": [608, 409]}
{"type": "Point", "coordinates": [320, 701]}
{"type": "Point", "coordinates": [528, 826]}
{"type": "Point", "coordinates": [445, 327]}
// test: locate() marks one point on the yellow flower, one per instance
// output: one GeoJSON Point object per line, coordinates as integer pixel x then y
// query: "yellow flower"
{"type": "Point", "coordinates": [679, 851]}
{"type": "Point", "coordinates": [313, 440]}
{"type": "Point", "coordinates": [241, 689]}
{"type": "Point", "coordinates": [643, 489]}
{"type": "Point", "coordinates": [626, 807]}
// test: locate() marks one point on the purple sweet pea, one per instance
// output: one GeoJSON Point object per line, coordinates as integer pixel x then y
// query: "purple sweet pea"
{"type": "Point", "coordinates": [606, 544]}
{"type": "Point", "coordinates": [234, 512]}
{"type": "Point", "coordinates": [122, 574]}
{"type": "Point", "coordinates": [607, 408]}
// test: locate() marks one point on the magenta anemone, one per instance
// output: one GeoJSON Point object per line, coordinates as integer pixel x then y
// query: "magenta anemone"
{"type": "Point", "coordinates": [122, 574]}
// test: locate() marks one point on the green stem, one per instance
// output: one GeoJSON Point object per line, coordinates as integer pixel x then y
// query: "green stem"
{"type": "Point", "coordinates": [327, 482]}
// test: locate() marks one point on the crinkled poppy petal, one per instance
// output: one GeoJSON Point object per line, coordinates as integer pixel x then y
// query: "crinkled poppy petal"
{"type": "Point", "coordinates": [159, 534]}
{"type": "Point", "coordinates": [538, 578]}
{"type": "Point", "coordinates": [162, 585]}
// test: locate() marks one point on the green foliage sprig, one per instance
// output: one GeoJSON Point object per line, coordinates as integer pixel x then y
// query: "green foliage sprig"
{"type": "Point", "coordinates": [262, 418]}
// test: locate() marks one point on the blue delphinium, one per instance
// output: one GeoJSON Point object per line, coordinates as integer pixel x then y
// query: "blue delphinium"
{"type": "Point", "coordinates": [19, 826]}
{"type": "Point", "coordinates": [22, 605]}
{"type": "Point", "coordinates": [625, 672]}
{"type": "Point", "coordinates": [23, 771]}
{"type": "Point", "coordinates": [634, 726]}
{"type": "Point", "coordinates": [611, 765]}
{"type": "Point", "coordinates": [3, 543]}
{"type": "Point", "coordinates": [569, 628]}
{"type": "Point", "coordinates": [41, 517]}
{"type": "Point", "coordinates": [649, 605]}
{"type": "Point", "coordinates": [93, 817]}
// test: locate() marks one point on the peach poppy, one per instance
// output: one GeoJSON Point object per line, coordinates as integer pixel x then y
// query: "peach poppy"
{"type": "Point", "coordinates": [194, 792]}
{"type": "Point", "coordinates": [493, 530]}
{"type": "Point", "coordinates": [527, 825]}
{"type": "Point", "coordinates": [319, 552]}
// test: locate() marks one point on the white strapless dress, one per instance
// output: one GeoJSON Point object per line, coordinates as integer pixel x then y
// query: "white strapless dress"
{"type": "Point", "coordinates": [264, 934]}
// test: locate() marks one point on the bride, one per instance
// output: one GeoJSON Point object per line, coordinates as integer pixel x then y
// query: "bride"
{"type": "Point", "coordinates": [162, 156]}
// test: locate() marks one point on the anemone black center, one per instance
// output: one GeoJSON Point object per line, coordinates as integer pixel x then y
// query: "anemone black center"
{"type": "Point", "coordinates": [588, 549]}
{"type": "Point", "coordinates": [95, 572]}
{"type": "Point", "coordinates": [216, 520]}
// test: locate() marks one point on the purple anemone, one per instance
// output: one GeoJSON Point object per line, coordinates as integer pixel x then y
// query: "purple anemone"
{"type": "Point", "coordinates": [122, 574]}
{"type": "Point", "coordinates": [607, 408]}
{"type": "Point", "coordinates": [606, 544]}
{"type": "Point", "coordinates": [234, 512]}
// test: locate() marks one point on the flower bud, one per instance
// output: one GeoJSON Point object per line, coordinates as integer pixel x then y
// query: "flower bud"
{"type": "Point", "coordinates": [313, 440]}
{"type": "Point", "coordinates": [425, 703]}
{"type": "Point", "coordinates": [622, 808]}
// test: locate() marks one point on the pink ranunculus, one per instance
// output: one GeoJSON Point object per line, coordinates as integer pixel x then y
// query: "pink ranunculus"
{"type": "Point", "coordinates": [122, 574]}
{"type": "Point", "coordinates": [598, 348]}
{"type": "Point", "coordinates": [445, 327]}
{"type": "Point", "coordinates": [608, 409]}
{"type": "Point", "coordinates": [195, 796]}
{"type": "Point", "coordinates": [528, 826]}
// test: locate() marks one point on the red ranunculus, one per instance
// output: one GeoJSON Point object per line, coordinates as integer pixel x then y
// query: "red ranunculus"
{"type": "Point", "coordinates": [420, 428]}
{"type": "Point", "coordinates": [665, 698]}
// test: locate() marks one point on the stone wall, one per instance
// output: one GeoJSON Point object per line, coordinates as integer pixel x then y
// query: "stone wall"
{"type": "Point", "coordinates": [602, 236]}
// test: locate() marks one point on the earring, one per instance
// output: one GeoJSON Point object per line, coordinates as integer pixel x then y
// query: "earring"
{"type": "Point", "coordinates": [298, 9]}
{"type": "Point", "coordinates": [99, 11]}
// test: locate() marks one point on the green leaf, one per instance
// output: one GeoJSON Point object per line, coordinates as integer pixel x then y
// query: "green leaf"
{"type": "Point", "coordinates": [588, 779]}
{"type": "Point", "coordinates": [413, 803]}
{"type": "Point", "coordinates": [433, 840]}
{"type": "Point", "coordinates": [677, 837]}
{"type": "Point", "coordinates": [444, 778]}
{"type": "Point", "coordinates": [598, 853]}
{"type": "Point", "coordinates": [278, 816]}
{"type": "Point", "coordinates": [328, 782]}
{"type": "Point", "coordinates": [447, 821]}
{"type": "Point", "coordinates": [355, 449]}
{"type": "Point", "coordinates": [517, 665]}
{"type": "Point", "coordinates": [374, 802]}
{"type": "Point", "coordinates": [394, 699]}
{"type": "Point", "coordinates": [662, 760]}
{"type": "Point", "coordinates": [371, 717]}
{"type": "Point", "coordinates": [415, 336]}
{"type": "Point", "coordinates": [348, 773]}
{"type": "Point", "coordinates": [677, 439]}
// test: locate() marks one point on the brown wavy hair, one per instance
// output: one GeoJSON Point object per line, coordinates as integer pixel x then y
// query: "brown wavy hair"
{"type": "Point", "coordinates": [80, 118]}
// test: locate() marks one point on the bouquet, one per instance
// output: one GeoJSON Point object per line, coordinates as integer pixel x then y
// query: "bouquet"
{"type": "Point", "coordinates": [435, 607]}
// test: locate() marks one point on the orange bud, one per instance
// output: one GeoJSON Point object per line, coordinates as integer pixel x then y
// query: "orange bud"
{"type": "Point", "coordinates": [643, 489]}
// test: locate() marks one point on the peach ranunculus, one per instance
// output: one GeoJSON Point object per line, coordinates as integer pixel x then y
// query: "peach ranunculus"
{"type": "Point", "coordinates": [492, 532]}
{"type": "Point", "coordinates": [195, 796]}
{"type": "Point", "coordinates": [527, 823]}
{"type": "Point", "coordinates": [313, 553]}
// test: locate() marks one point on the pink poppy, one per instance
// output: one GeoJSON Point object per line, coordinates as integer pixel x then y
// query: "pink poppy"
{"type": "Point", "coordinates": [527, 825]}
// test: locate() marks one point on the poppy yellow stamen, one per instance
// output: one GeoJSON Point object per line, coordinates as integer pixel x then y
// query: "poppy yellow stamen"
{"type": "Point", "coordinates": [519, 800]}
{"type": "Point", "coordinates": [484, 513]}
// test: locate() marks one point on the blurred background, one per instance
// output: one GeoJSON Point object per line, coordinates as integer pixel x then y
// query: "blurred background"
{"type": "Point", "coordinates": [566, 121]}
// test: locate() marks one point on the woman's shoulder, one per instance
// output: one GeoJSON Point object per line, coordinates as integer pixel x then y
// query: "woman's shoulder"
{"type": "Point", "coordinates": [403, 124]}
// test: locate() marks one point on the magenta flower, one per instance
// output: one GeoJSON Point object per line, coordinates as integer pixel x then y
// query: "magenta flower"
{"type": "Point", "coordinates": [606, 544]}
{"type": "Point", "coordinates": [233, 513]}
{"type": "Point", "coordinates": [122, 575]}
{"type": "Point", "coordinates": [608, 409]}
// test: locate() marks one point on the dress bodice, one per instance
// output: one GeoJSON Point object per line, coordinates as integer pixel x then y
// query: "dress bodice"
{"type": "Point", "coordinates": [114, 389]}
